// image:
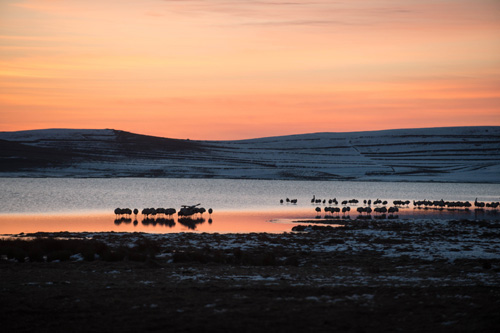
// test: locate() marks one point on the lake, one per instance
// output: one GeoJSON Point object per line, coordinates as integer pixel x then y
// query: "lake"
{"type": "Point", "coordinates": [87, 204]}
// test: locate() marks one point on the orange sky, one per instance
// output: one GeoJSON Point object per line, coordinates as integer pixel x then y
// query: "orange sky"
{"type": "Point", "coordinates": [233, 69]}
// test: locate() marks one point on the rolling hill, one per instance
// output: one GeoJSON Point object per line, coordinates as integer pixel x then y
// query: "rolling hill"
{"type": "Point", "coordinates": [448, 154]}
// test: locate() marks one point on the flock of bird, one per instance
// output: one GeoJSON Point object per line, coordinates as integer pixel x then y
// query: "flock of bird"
{"type": "Point", "coordinates": [194, 213]}
{"type": "Point", "coordinates": [454, 204]}
{"type": "Point", "coordinates": [185, 211]}
{"type": "Point", "coordinates": [189, 216]}
{"type": "Point", "coordinates": [397, 204]}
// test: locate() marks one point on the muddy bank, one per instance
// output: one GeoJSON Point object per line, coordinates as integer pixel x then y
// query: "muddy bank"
{"type": "Point", "coordinates": [368, 276]}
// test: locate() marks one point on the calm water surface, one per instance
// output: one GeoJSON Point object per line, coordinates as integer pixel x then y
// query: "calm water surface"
{"type": "Point", "coordinates": [48, 204]}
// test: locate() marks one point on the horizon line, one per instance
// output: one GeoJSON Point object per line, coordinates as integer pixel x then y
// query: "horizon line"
{"type": "Point", "coordinates": [253, 138]}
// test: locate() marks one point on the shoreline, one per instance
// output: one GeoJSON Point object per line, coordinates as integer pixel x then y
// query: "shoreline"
{"type": "Point", "coordinates": [319, 179]}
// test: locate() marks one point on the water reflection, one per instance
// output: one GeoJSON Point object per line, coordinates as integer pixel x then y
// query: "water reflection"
{"type": "Point", "coordinates": [159, 221]}
{"type": "Point", "coordinates": [334, 218]}
{"type": "Point", "coordinates": [417, 213]}
{"type": "Point", "coordinates": [190, 222]}
{"type": "Point", "coordinates": [224, 222]}
{"type": "Point", "coordinates": [276, 221]}
{"type": "Point", "coordinates": [193, 222]}
{"type": "Point", "coordinates": [121, 220]}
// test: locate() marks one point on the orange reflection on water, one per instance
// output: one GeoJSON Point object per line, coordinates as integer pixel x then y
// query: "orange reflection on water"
{"type": "Point", "coordinates": [221, 222]}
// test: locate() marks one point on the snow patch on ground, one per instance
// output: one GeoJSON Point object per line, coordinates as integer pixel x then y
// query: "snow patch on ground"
{"type": "Point", "coordinates": [452, 154]}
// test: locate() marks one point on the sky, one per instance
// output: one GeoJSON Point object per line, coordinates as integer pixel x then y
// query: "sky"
{"type": "Point", "coordinates": [236, 69]}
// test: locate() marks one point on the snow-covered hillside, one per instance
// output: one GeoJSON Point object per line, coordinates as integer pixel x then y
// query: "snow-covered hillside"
{"type": "Point", "coordinates": [451, 154]}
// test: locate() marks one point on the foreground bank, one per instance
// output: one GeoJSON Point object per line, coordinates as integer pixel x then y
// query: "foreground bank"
{"type": "Point", "coordinates": [363, 276]}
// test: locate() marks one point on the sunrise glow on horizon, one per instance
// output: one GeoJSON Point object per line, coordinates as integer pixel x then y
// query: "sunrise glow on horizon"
{"type": "Point", "coordinates": [229, 69]}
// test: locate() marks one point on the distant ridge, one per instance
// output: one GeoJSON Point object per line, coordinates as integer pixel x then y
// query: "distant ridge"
{"type": "Point", "coordinates": [445, 154]}
{"type": "Point", "coordinates": [424, 130]}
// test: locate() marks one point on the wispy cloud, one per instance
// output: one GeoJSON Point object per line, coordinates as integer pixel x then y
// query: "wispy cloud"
{"type": "Point", "coordinates": [177, 60]}
{"type": "Point", "coordinates": [293, 13]}
{"type": "Point", "coordinates": [299, 23]}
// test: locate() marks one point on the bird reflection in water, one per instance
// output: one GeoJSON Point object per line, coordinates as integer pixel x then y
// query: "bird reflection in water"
{"type": "Point", "coordinates": [189, 222]}
{"type": "Point", "coordinates": [158, 221]}
{"type": "Point", "coordinates": [121, 220]}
